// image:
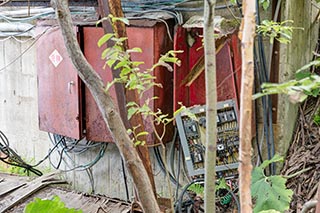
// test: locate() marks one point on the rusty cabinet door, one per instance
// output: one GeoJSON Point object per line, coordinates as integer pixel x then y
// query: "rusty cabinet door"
{"type": "Point", "coordinates": [96, 128]}
{"type": "Point", "coordinates": [58, 86]}
{"type": "Point", "coordinates": [153, 40]}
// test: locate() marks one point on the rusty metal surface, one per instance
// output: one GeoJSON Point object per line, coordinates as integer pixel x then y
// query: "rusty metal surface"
{"type": "Point", "coordinates": [154, 43]}
{"type": "Point", "coordinates": [58, 86]}
{"type": "Point", "coordinates": [195, 94]}
{"type": "Point", "coordinates": [96, 128]}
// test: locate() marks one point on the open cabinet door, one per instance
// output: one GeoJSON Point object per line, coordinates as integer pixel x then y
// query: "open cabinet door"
{"type": "Point", "coordinates": [58, 86]}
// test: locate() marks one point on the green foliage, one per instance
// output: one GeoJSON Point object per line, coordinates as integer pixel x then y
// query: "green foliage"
{"type": "Point", "coordinates": [270, 211]}
{"type": "Point", "coordinates": [305, 84]}
{"type": "Point", "coordinates": [277, 30]}
{"type": "Point", "coordinates": [233, 2]}
{"type": "Point", "coordinates": [55, 205]}
{"type": "Point", "coordinates": [197, 188]}
{"type": "Point", "coordinates": [183, 109]}
{"type": "Point", "coordinates": [265, 4]}
{"type": "Point", "coordinates": [316, 118]}
{"type": "Point", "coordinates": [269, 192]}
{"type": "Point", "coordinates": [113, 19]}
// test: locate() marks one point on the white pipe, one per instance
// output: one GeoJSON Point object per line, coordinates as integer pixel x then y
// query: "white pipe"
{"type": "Point", "coordinates": [26, 12]}
{"type": "Point", "coordinates": [15, 27]}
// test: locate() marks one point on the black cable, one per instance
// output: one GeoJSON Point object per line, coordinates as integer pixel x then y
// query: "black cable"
{"type": "Point", "coordinates": [256, 111]}
{"type": "Point", "coordinates": [13, 159]}
{"type": "Point", "coordinates": [178, 175]}
{"type": "Point", "coordinates": [125, 180]}
{"type": "Point", "coordinates": [266, 101]}
{"type": "Point", "coordinates": [161, 164]}
{"type": "Point", "coordinates": [65, 149]}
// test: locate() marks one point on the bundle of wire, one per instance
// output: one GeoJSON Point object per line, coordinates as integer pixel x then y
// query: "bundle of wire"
{"type": "Point", "coordinates": [9, 156]}
{"type": "Point", "coordinates": [66, 146]}
{"type": "Point", "coordinates": [62, 145]}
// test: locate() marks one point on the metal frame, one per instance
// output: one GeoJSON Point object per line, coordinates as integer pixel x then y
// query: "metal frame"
{"type": "Point", "coordinates": [183, 137]}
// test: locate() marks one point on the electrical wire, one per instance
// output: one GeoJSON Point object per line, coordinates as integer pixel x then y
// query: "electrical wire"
{"type": "Point", "coordinates": [263, 76]}
{"type": "Point", "coordinates": [125, 180]}
{"type": "Point", "coordinates": [178, 175]}
{"type": "Point", "coordinates": [161, 164]}
{"type": "Point", "coordinates": [13, 159]}
{"type": "Point", "coordinates": [68, 146]}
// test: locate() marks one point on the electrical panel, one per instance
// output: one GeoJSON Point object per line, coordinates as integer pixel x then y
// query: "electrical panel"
{"type": "Point", "coordinates": [192, 133]}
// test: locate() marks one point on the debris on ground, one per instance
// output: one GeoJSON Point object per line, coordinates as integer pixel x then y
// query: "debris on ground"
{"type": "Point", "coordinates": [303, 156]}
{"type": "Point", "coordinates": [16, 192]}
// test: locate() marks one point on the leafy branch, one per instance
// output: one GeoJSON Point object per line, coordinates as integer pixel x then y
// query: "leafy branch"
{"type": "Point", "coordinates": [281, 31]}
{"type": "Point", "coordinates": [305, 84]}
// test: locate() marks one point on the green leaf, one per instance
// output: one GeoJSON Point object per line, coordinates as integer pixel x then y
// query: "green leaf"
{"type": "Point", "coordinates": [222, 184]}
{"type": "Point", "coordinates": [141, 134]}
{"type": "Point", "coordinates": [197, 188]}
{"type": "Point", "coordinates": [134, 50]}
{"type": "Point", "coordinates": [270, 211]}
{"type": "Point", "coordinates": [124, 20]}
{"type": "Point", "coordinates": [121, 64]}
{"type": "Point", "coordinates": [302, 75]}
{"type": "Point", "coordinates": [131, 112]}
{"type": "Point", "coordinates": [276, 158]}
{"type": "Point", "coordinates": [271, 193]}
{"type": "Point", "coordinates": [131, 103]}
{"type": "Point", "coordinates": [55, 205]}
{"type": "Point", "coordinates": [180, 110]}
{"type": "Point", "coordinates": [307, 66]}
{"type": "Point", "coordinates": [233, 2]}
{"type": "Point", "coordinates": [137, 63]}
{"type": "Point", "coordinates": [265, 4]}
{"type": "Point", "coordinates": [139, 143]}
{"type": "Point", "coordinates": [110, 62]}
{"type": "Point", "coordinates": [104, 39]}
{"type": "Point", "coordinates": [315, 92]}
{"type": "Point", "coordinates": [108, 86]}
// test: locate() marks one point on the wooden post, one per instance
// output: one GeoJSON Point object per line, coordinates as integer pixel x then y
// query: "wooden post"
{"type": "Point", "coordinates": [125, 96]}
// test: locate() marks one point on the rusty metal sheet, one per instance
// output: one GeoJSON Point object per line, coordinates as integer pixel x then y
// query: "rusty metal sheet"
{"type": "Point", "coordinates": [155, 42]}
{"type": "Point", "coordinates": [96, 129]}
{"type": "Point", "coordinates": [195, 94]}
{"type": "Point", "coordinates": [58, 86]}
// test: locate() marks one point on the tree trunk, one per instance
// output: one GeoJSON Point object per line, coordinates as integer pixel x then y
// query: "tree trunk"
{"type": "Point", "coordinates": [107, 108]}
{"type": "Point", "coordinates": [211, 106]}
{"type": "Point", "coordinates": [124, 96]}
{"type": "Point", "coordinates": [247, 33]}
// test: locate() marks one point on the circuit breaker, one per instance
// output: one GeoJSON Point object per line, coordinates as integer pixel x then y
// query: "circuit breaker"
{"type": "Point", "coordinates": [192, 136]}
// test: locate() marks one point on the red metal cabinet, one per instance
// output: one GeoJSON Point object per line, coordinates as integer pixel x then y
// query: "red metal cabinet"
{"type": "Point", "coordinates": [227, 76]}
{"type": "Point", "coordinates": [153, 41]}
{"type": "Point", "coordinates": [58, 86]}
{"type": "Point", "coordinates": [96, 128]}
{"type": "Point", "coordinates": [64, 103]}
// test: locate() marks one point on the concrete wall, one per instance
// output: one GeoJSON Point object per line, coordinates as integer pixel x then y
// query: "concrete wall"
{"type": "Point", "coordinates": [292, 57]}
{"type": "Point", "coordinates": [18, 98]}
{"type": "Point", "coordinates": [19, 122]}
